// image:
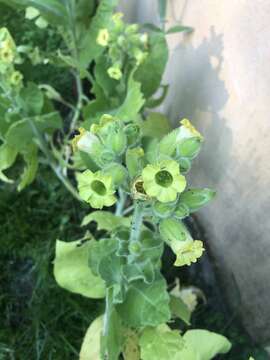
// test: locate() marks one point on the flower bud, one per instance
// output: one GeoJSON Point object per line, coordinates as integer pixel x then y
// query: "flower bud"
{"type": "Point", "coordinates": [115, 72]}
{"type": "Point", "coordinates": [131, 29]}
{"type": "Point", "coordinates": [133, 133]}
{"type": "Point", "coordinates": [163, 210]}
{"type": "Point", "coordinates": [117, 141]}
{"type": "Point", "coordinates": [181, 211]}
{"type": "Point", "coordinates": [135, 161]}
{"type": "Point", "coordinates": [189, 147]}
{"type": "Point", "coordinates": [194, 199]}
{"type": "Point", "coordinates": [172, 229]}
{"type": "Point", "coordinates": [135, 248]}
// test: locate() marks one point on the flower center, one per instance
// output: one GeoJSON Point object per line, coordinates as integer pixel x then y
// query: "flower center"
{"type": "Point", "coordinates": [98, 187]}
{"type": "Point", "coordinates": [164, 178]}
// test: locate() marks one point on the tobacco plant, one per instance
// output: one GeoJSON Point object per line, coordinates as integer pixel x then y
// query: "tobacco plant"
{"type": "Point", "coordinates": [125, 157]}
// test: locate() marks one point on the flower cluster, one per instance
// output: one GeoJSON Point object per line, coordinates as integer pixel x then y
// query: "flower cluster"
{"type": "Point", "coordinates": [150, 172]}
{"type": "Point", "coordinates": [10, 78]}
{"type": "Point", "coordinates": [125, 45]}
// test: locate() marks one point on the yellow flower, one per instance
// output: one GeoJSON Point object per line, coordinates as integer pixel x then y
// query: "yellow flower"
{"type": "Point", "coordinates": [103, 37]}
{"type": "Point", "coordinates": [115, 72]}
{"type": "Point", "coordinates": [163, 181]}
{"type": "Point", "coordinates": [16, 78]}
{"type": "Point", "coordinates": [117, 17]}
{"type": "Point", "coordinates": [6, 55]}
{"type": "Point", "coordinates": [187, 252]}
{"type": "Point", "coordinates": [96, 189]}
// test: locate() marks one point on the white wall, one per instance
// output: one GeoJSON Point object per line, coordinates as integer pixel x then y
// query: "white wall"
{"type": "Point", "coordinates": [220, 79]}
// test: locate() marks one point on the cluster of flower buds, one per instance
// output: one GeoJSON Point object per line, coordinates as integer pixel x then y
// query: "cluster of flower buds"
{"type": "Point", "coordinates": [124, 43]}
{"type": "Point", "coordinates": [10, 78]}
{"type": "Point", "coordinates": [148, 170]}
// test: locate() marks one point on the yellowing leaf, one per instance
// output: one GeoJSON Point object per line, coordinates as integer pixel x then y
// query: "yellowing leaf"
{"type": "Point", "coordinates": [72, 272]}
{"type": "Point", "coordinates": [90, 349]}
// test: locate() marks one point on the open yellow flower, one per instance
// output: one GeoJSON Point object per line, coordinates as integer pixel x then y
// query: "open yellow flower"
{"type": "Point", "coordinates": [103, 37]}
{"type": "Point", "coordinates": [163, 181]}
{"type": "Point", "coordinates": [187, 252]}
{"type": "Point", "coordinates": [96, 189]}
{"type": "Point", "coordinates": [115, 72]}
{"type": "Point", "coordinates": [16, 78]}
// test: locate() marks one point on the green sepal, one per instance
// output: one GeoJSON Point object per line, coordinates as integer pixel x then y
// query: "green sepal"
{"type": "Point", "coordinates": [135, 161]}
{"type": "Point", "coordinates": [194, 198]}
{"type": "Point", "coordinates": [185, 165]}
{"type": "Point", "coordinates": [172, 229]}
{"type": "Point", "coordinates": [72, 272]}
{"type": "Point", "coordinates": [189, 148]}
{"type": "Point", "coordinates": [118, 173]}
{"type": "Point", "coordinates": [163, 210]}
{"type": "Point", "coordinates": [167, 145]}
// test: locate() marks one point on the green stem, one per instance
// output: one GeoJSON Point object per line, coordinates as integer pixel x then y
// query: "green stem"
{"type": "Point", "coordinates": [43, 147]}
{"type": "Point", "coordinates": [136, 222]}
{"type": "Point", "coordinates": [121, 202]}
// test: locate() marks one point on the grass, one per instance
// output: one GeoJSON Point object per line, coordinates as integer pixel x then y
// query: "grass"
{"type": "Point", "coordinates": [39, 320]}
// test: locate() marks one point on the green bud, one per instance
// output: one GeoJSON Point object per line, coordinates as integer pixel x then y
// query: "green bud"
{"type": "Point", "coordinates": [185, 165]}
{"type": "Point", "coordinates": [117, 172]}
{"type": "Point", "coordinates": [135, 248]}
{"type": "Point", "coordinates": [133, 133]}
{"type": "Point", "coordinates": [117, 141]}
{"type": "Point", "coordinates": [189, 148]}
{"type": "Point", "coordinates": [131, 29]}
{"type": "Point", "coordinates": [181, 211]}
{"type": "Point", "coordinates": [172, 229]}
{"type": "Point", "coordinates": [195, 199]}
{"type": "Point", "coordinates": [106, 157]}
{"type": "Point", "coordinates": [135, 161]}
{"type": "Point", "coordinates": [163, 210]}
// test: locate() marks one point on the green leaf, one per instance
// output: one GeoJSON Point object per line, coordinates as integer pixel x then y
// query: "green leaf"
{"type": "Point", "coordinates": [133, 102]}
{"type": "Point", "coordinates": [195, 199]}
{"type": "Point", "coordinates": [161, 343]}
{"type": "Point", "coordinates": [31, 158]}
{"type": "Point", "coordinates": [179, 28]}
{"type": "Point", "coordinates": [104, 262]}
{"type": "Point", "coordinates": [156, 125]}
{"type": "Point", "coordinates": [72, 272]}
{"type": "Point", "coordinates": [180, 309]}
{"type": "Point", "coordinates": [89, 49]}
{"type": "Point", "coordinates": [145, 305]}
{"type": "Point", "coordinates": [20, 134]}
{"type": "Point", "coordinates": [32, 99]}
{"type": "Point", "coordinates": [106, 220]}
{"type": "Point", "coordinates": [150, 72]}
{"type": "Point", "coordinates": [102, 77]}
{"type": "Point", "coordinates": [8, 156]}
{"type": "Point", "coordinates": [206, 344]}
{"type": "Point", "coordinates": [91, 348]}
{"type": "Point", "coordinates": [131, 349]}
{"type": "Point", "coordinates": [140, 271]}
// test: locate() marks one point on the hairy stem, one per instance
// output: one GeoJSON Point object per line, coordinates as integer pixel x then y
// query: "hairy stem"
{"type": "Point", "coordinates": [121, 202]}
{"type": "Point", "coordinates": [137, 220]}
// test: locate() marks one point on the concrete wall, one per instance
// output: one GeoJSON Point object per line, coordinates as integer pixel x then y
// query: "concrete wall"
{"type": "Point", "coordinates": [220, 79]}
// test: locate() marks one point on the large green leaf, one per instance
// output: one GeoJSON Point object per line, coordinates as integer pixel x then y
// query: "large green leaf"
{"type": "Point", "coordinates": [72, 272]}
{"type": "Point", "coordinates": [90, 349]}
{"type": "Point", "coordinates": [32, 99]}
{"type": "Point", "coordinates": [150, 72]}
{"type": "Point", "coordinates": [21, 133]}
{"type": "Point", "coordinates": [133, 102]}
{"type": "Point", "coordinates": [89, 49]}
{"type": "Point", "coordinates": [161, 343]}
{"type": "Point", "coordinates": [156, 125]}
{"type": "Point", "coordinates": [8, 156]}
{"type": "Point", "coordinates": [31, 159]}
{"type": "Point", "coordinates": [106, 220]}
{"type": "Point", "coordinates": [145, 305]}
{"type": "Point", "coordinates": [205, 344]}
